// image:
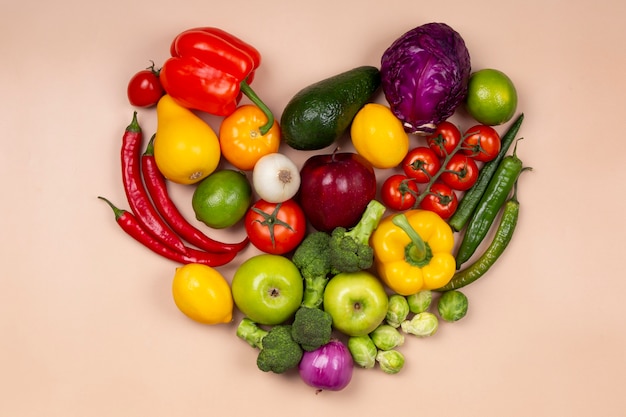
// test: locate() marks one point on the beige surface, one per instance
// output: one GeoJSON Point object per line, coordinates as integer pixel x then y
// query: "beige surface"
{"type": "Point", "coordinates": [87, 323]}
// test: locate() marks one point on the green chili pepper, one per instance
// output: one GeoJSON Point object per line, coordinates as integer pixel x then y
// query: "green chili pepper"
{"type": "Point", "coordinates": [489, 206]}
{"type": "Point", "coordinates": [501, 240]}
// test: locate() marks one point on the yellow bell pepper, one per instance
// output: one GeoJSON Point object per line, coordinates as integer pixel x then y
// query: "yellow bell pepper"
{"type": "Point", "coordinates": [378, 136]}
{"type": "Point", "coordinates": [413, 251]}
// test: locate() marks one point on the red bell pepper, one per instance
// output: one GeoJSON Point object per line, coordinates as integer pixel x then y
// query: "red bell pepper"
{"type": "Point", "coordinates": [208, 71]}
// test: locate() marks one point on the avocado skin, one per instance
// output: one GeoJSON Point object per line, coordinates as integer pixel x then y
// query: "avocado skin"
{"type": "Point", "coordinates": [320, 113]}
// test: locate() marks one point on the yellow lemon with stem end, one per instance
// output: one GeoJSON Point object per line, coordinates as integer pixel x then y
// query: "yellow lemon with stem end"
{"type": "Point", "coordinates": [202, 294]}
{"type": "Point", "coordinates": [491, 97]}
{"type": "Point", "coordinates": [186, 148]}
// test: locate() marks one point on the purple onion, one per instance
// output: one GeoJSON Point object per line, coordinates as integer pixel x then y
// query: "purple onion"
{"type": "Point", "coordinates": [328, 367]}
{"type": "Point", "coordinates": [424, 76]}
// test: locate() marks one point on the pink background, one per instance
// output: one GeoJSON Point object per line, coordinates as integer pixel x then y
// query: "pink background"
{"type": "Point", "coordinates": [87, 321]}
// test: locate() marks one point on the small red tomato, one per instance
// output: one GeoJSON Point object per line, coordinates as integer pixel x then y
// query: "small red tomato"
{"type": "Point", "coordinates": [461, 172]}
{"type": "Point", "coordinates": [275, 228]}
{"type": "Point", "coordinates": [421, 164]}
{"type": "Point", "coordinates": [144, 88]}
{"type": "Point", "coordinates": [441, 199]}
{"type": "Point", "coordinates": [399, 192]}
{"type": "Point", "coordinates": [444, 139]}
{"type": "Point", "coordinates": [482, 143]}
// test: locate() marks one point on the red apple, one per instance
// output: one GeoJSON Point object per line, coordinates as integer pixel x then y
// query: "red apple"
{"type": "Point", "coordinates": [335, 189]}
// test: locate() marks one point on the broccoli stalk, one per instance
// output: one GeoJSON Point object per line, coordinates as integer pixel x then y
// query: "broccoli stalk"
{"type": "Point", "coordinates": [278, 351]}
{"type": "Point", "coordinates": [312, 326]}
{"type": "Point", "coordinates": [312, 258]}
{"type": "Point", "coordinates": [350, 250]}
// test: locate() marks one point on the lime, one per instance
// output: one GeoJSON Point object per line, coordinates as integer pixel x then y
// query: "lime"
{"type": "Point", "coordinates": [491, 97]}
{"type": "Point", "coordinates": [222, 199]}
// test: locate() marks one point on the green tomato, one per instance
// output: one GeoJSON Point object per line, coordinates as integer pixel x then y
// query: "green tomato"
{"type": "Point", "coordinates": [268, 289]}
{"type": "Point", "coordinates": [356, 301]}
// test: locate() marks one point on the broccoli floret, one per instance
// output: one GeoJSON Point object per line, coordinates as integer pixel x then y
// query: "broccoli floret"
{"type": "Point", "coordinates": [311, 328]}
{"type": "Point", "coordinates": [279, 352]}
{"type": "Point", "coordinates": [350, 250]}
{"type": "Point", "coordinates": [312, 258]}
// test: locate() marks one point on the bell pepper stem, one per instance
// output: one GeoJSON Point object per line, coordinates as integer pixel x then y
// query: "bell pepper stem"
{"type": "Point", "coordinates": [417, 252]}
{"type": "Point", "coordinates": [249, 92]}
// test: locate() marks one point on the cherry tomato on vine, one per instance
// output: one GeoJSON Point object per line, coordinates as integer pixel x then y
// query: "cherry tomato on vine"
{"type": "Point", "coordinates": [421, 163]}
{"type": "Point", "coordinates": [144, 88]}
{"type": "Point", "coordinates": [444, 139]}
{"type": "Point", "coordinates": [441, 199]}
{"type": "Point", "coordinates": [482, 143]}
{"type": "Point", "coordinates": [399, 192]}
{"type": "Point", "coordinates": [461, 172]}
{"type": "Point", "coordinates": [275, 228]}
{"type": "Point", "coordinates": [241, 141]}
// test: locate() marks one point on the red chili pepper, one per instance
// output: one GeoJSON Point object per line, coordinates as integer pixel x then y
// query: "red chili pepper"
{"type": "Point", "coordinates": [208, 71]}
{"type": "Point", "coordinates": [136, 193]}
{"type": "Point", "coordinates": [157, 189]}
{"type": "Point", "coordinates": [129, 223]}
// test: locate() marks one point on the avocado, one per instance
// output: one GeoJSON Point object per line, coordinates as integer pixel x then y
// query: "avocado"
{"type": "Point", "coordinates": [320, 113]}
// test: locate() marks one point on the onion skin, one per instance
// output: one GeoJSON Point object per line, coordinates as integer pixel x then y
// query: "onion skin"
{"type": "Point", "coordinates": [424, 76]}
{"type": "Point", "coordinates": [328, 367]}
{"type": "Point", "coordinates": [276, 178]}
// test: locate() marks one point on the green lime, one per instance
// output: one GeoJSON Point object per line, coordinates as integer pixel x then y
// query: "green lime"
{"type": "Point", "coordinates": [491, 97]}
{"type": "Point", "coordinates": [222, 199]}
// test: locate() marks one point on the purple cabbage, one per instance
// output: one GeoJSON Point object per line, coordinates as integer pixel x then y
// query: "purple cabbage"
{"type": "Point", "coordinates": [424, 76]}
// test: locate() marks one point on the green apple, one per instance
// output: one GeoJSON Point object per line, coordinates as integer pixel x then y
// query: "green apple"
{"type": "Point", "coordinates": [356, 301]}
{"type": "Point", "coordinates": [267, 288]}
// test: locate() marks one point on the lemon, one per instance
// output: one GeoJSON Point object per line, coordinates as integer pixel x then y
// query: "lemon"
{"type": "Point", "coordinates": [186, 148]}
{"type": "Point", "coordinates": [491, 97]}
{"type": "Point", "coordinates": [202, 294]}
{"type": "Point", "coordinates": [222, 199]}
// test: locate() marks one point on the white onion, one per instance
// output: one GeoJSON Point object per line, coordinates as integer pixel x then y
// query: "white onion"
{"type": "Point", "coordinates": [276, 178]}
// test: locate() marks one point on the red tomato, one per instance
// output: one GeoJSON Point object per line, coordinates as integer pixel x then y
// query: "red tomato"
{"type": "Point", "coordinates": [461, 172]}
{"type": "Point", "coordinates": [441, 199]}
{"type": "Point", "coordinates": [144, 88]}
{"type": "Point", "coordinates": [482, 143]}
{"type": "Point", "coordinates": [398, 192]}
{"type": "Point", "coordinates": [444, 139]}
{"type": "Point", "coordinates": [421, 164]}
{"type": "Point", "coordinates": [275, 228]}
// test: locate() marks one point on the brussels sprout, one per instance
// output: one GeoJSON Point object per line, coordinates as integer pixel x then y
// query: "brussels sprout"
{"type": "Point", "coordinates": [387, 337]}
{"type": "Point", "coordinates": [397, 310]}
{"type": "Point", "coordinates": [390, 361]}
{"type": "Point", "coordinates": [420, 301]}
{"type": "Point", "coordinates": [421, 325]}
{"type": "Point", "coordinates": [363, 351]}
{"type": "Point", "coordinates": [452, 305]}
